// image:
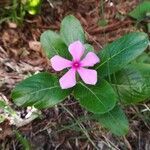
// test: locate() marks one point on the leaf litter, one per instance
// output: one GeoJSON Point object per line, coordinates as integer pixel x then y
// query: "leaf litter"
{"type": "Point", "coordinates": [21, 55]}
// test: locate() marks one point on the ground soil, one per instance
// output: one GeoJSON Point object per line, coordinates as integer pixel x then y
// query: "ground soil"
{"type": "Point", "coordinates": [21, 55]}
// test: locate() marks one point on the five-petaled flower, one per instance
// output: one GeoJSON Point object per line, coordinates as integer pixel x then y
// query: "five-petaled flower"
{"type": "Point", "coordinates": [78, 64]}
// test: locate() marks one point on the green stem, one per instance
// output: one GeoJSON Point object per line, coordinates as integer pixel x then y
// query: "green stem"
{"type": "Point", "coordinates": [14, 13]}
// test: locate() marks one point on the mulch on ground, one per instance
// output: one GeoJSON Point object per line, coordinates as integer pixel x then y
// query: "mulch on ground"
{"type": "Point", "coordinates": [21, 55]}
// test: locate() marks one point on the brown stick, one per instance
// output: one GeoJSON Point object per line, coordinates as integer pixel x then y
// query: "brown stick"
{"type": "Point", "coordinates": [111, 27]}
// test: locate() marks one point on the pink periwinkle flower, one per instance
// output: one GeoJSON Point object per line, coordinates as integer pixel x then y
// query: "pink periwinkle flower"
{"type": "Point", "coordinates": [77, 65]}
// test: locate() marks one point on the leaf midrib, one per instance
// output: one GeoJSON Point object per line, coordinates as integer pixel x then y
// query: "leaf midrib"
{"type": "Point", "coordinates": [118, 54]}
{"type": "Point", "coordinates": [118, 124]}
{"type": "Point", "coordinates": [95, 96]}
{"type": "Point", "coordinates": [91, 92]}
{"type": "Point", "coordinates": [54, 49]}
{"type": "Point", "coordinates": [41, 90]}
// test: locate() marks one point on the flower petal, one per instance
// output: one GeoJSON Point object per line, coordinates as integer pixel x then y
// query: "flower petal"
{"type": "Point", "coordinates": [90, 60]}
{"type": "Point", "coordinates": [89, 76]}
{"type": "Point", "coordinates": [76, 49]}
{"type": "Point", "coordinates": [60, 63]}
{"type": "Point", "coordinates": [68, 80]}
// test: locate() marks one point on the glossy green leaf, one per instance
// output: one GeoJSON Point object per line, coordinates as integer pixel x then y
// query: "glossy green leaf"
{"type": "Point", "coordinates": [122, 51]}
{"type": "Point", "coordinates": [133, 83]}
{"type": "Point", "coordinates": [141, 10]}
{"type": "Point", "coordinates": [99, 99]}
{"type": "Point", "coordinates": [41, 90]}
{"type": "Point", "coordinates": [115, 120]}
{"type": "Point", "coordinates": [71, 30]}
{"type": "Point", "coordinates": [53, 44]}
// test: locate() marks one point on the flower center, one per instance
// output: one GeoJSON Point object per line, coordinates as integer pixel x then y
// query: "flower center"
{"type": "Point", "coordinates": [76, 65]}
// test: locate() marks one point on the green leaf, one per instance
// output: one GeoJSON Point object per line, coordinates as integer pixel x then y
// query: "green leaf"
{"type": "Point", "coordinates": [115, 121]}
{"type": "Point", "coordinates": [99, 99]}
{"type": "Point", "coordinates": [133, 83]}
{"type": "Point", "coordinates": [33, 6]}
{"type": "Point", "coordinates": [88, 48]}
{"type": "Point", "coordinates": [24, 142]}
{"type": "Point", "coordinates": [122, 51]}
{"type": "Point", "coordinates": [141, 10]}
{"type": "Point", "coordinates": [2, 118]}
{"type": "Point", "coordinates": [103, 22]}
{"type": "Point", "coordinates": [41, 90]}
{"type": "Point", "coordinates": [2, 104]}
{"type": "Point", "coordinates": [6, 108]}
{"type": "Point", "coordinates": [143, 58]}
{"type": "Point", "coordinates": [71, 30]}
{"type": "Point", "coordinates": [2, 107]}
{"type": "Point", "coordinates": [53, 44]}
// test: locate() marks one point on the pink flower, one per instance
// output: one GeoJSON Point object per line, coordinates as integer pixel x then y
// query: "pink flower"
{"type": "Point", "coordinates": [89, 76]}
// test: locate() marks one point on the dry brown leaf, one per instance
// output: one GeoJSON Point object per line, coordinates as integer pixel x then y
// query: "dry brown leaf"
{"type": "Point", "coordinates": [35, 45]}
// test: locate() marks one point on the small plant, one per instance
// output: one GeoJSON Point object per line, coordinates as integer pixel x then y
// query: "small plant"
{"type": "Point", "coordinates": [16, 10]}
{"type": "Point", "coordinates": [142, 13]}
{"type": "Point", "coordinates": [14, 117]}
{"type": "Point", "coordinates": [5, 111]}
{"type": "Point", "coordinates": [118, 78]}
{"type": "Point", "coordinates": [23, 141]}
